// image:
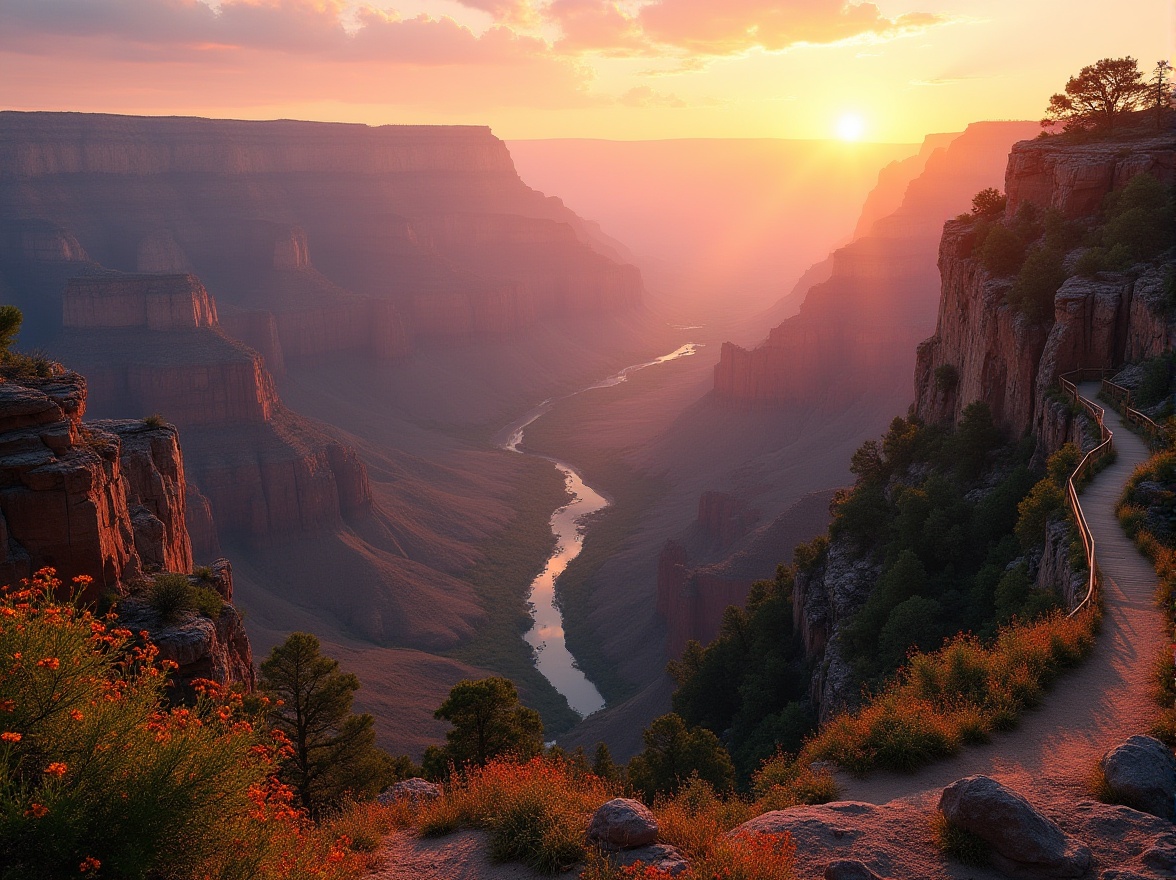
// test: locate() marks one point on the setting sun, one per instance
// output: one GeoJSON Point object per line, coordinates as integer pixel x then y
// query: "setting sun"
{"type": "Point", "coordinates": [851, 127]}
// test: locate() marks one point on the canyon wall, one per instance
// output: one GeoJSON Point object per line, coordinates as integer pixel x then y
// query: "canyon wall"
{"type": "Point", "coordinates": [856, 332]}
{"type": "Point", "coordinates": [153, 344]}
{"type": "Point", "coordinates": [414, 230]}
{"type": "Point", "coordinates": [998, 354]}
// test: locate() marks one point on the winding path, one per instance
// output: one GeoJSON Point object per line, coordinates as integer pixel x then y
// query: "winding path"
{"type": "Point", "coordinates": [1089, 709]}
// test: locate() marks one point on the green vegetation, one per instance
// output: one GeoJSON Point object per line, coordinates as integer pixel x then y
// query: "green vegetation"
{"type": "Point", "coordinates": [20, 365]}
{"type": "Point", "coordinates": [332, 753]}
{"type": "Point", "coordinates": [173, 595]}
{"type": "Point", "coordinates": [947, 377]}
{"type": "Point", "coordinates": [1136, 225]}
{"type": "Point", "coordinates": [674, 754]}
{"type": "Point", "coordinates": [155, 420]}
{"type": "Point", "coordinates": [751, 683]}
{"type": "Point", "coordinates": [959, 844]}
{"type": "Point", "coordinates": [488, 722]}
{"type": "Point", "coordinates": [988, 202]}
{"type": "Point", "coordinates": [1099, 97]}
{"type": "Point", "coordinates": [101, 776]}
{"type": "Point", "coordinates": [502, 581]}
{"type": "Point", "coordinates": [10, 320]}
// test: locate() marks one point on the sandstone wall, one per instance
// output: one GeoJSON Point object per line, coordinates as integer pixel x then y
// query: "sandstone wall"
{"type": "Point", "coordinates": [152, 302]}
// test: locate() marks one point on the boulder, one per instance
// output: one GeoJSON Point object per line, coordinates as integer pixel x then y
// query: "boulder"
{"type": "Point", "coordinates": [1161, 856]}
{"type": "Point", "coordinates": [1024, 842]}
{"type": "Point", "coordinates": [622, 823]}
{"type": "Point", "coordinates": [849, 869]}
{"type": "Point", "coordinates": [659, 856]}
{"type": "Point", "coordinates": [415, 790]}
{"type": "Point", "coordinates": [1141, 773]}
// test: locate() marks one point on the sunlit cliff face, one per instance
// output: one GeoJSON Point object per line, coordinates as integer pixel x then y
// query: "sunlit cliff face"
{"type": "Point", "coordinates": [557, 68]}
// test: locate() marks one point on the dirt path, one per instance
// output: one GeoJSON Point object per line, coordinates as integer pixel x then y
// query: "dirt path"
{"type": "Point", "coordinates": [1091, 708]}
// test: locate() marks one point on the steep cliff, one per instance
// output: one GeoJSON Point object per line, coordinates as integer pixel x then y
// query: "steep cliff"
{"type": "Point", "coordinates": [107, 500]}
{"type": "Point", "coordinates": [856, 332]}
{"type": "Point", "coordinates": [414, 229]}
{"type": "Point", "coordinates": [153, 343]}
{"type": "Point", "coordinates": [998, 353]}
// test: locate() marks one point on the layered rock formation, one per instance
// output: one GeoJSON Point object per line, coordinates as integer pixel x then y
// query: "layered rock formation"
{"type": "Point", "coordinates": [152, 343]}
{"type": "Point", "coordinates": [1002, 357]}
{"type": "Point", "coordinates": [856, 332]}
{"type": "Point", "coordinates": [420, 230]}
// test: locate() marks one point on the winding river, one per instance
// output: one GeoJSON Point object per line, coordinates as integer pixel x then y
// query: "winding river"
{"type": "Point", "coordinates": [546, 634]}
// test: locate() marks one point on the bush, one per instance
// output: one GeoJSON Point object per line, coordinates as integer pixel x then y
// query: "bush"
{"type": "Point", "coordinates": [947, 378]}
{"type": "Point", "coordinates": [171, 595]}
{"type": "Point", "coordinates": [96, 771]}
{"type": "Point", "coordinates": [988, 202]}
{"type": "Point", "coordinates": [674, 754]}
{"type": "Point", "coordinates": [958, 844]}
{"type": "Point", "coordinates": [1037, 281]}
{"type": "Point", "coordinates": [155, 420]}
{"type": "Point", "coordinates": [1002, 251]}
{"type": "Point", "coordinates": [535, 812]}
{"type": "Point", "coordinates": [784, 782]}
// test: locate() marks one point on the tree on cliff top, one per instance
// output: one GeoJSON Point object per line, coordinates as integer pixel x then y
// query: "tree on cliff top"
{"type": "Point", "coordinates": [1098, 97]}
{"type": "Point", "coordinates": [334, 751]}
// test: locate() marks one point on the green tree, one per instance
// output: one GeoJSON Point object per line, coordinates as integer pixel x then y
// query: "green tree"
{"type": "Point", "coordinates": [1002, 251]}
{"type": "Point", "coordinates": [674, 753]}
{"type": "Point", "coordinates": [10, 321]}
{"type": "Point", "coordinates": [603, 764]}
{"type": "Point", "coordinates": [988, 201]}
{"type": "Point", "coordinates": [488, 721]}
{"type": "Point", "coordinates": [1099, 96]}
{"type": "Point", "coordinates": [334, 752]}
{"type": "Point", "coordinates": [1161, 93]}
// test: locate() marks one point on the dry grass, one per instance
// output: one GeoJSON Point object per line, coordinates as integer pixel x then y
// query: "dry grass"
{"type": "Point", "coordinates": [955, 696]}
{"type": "Point", "coordinates": [959, 845]}
{"type": "Point", "coordinates": [535, 812]}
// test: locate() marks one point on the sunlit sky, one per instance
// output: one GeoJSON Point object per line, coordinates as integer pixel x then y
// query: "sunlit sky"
{"type": "Point", "coordinates": [627, 69]}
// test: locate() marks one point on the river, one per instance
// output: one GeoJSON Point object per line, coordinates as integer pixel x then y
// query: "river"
{"type": "Point", "coordinates": [568, 525]}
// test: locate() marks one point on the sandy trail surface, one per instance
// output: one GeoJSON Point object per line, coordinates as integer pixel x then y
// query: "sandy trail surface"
{"type": "Point", "coordinates": [1089, 709]}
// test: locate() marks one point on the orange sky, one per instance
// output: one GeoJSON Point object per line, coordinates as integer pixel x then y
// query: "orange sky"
{"type": "Point", "coordinates": [623, 69]}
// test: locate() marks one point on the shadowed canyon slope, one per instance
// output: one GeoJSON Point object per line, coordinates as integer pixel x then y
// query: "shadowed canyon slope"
{"type": "Point", "coordinates": [402, 288]}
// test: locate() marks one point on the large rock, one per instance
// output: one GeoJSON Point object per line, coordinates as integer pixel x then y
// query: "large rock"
{"type": "Point", "coordinates": [415, 790]}
{"type": "Point", "coordinates": [659, 856]}
{"type": "Point", "coordinates": [1024, 842]}
{"type": "Point", "coordinates": [1141, 773]}
{"type": "Point", "coordinates": [622, 823]}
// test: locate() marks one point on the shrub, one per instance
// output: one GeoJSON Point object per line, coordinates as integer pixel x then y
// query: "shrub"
{"type": "Point", "coordinates": [171, 595]}
{"type": "Point", "coordinates": [1037, 281]}
{"type": "Point", "coordinates": [784, 782]}
{"type": "Point", "coordinates": [959, 844]}
{"type": "Point", "coordinates": [1002, 251]}
{"type": "Point", "coordinates": [674, 754]}
{"type": "Point", "coordinates": [155, 420]}
{"type": "Point", "coordinates": [96, 770]}
{"type": "Point", "coordinates": [947, 377]}
{"type": "Point", "coordinates": [988, 201]}
{"type": "Point", "coordinates": [955, 695]}
{"type": "Point", "coordinates": [207, 602]}
{"type": "Point", "coordinates": [535, 812]}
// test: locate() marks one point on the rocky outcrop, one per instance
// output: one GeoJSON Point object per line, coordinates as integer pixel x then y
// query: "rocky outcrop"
{"type": "Point", "coordinates": [1024, 842]}
{"type": "Point", "coordinates": [622, 823]}
{"type": "Point", "coordinates": [856, 332]}
{"type": "Point", "coordinates": [150, 302]}
{"type": "Point", "coordinates": [215, 648]}
{"type": "Point", "coordinates": [1141, 773]}
{"type": "Point", "coordinates": [1076, 177]}
{"type": "Point", "coordinates": [1002, 358]}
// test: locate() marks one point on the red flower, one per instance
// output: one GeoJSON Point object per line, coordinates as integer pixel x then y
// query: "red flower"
{"type": "Point", "coordinates": [56, 768]}
{"type": "Point", "coordinates": [89, 865]}
{"type": "Point", "coordinates": [9, 737]}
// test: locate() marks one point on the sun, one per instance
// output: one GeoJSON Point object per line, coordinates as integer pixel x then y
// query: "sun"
{"type": "Point", "coordinates": [851, 127]}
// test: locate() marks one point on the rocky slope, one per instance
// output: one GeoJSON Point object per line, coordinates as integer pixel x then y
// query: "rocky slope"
{"type": "Point", "coordinates": [417, 230]}
{"type": "Point", "coordinates": [107, 500]}
{"type": "Point", "coordinates": [856, 331]}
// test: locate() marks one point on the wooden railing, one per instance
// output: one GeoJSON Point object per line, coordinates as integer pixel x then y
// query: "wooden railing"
{"type": "Point", "coordinates": [1106, 446]}
{"type": "Point", "coordinates": [1120, 398]}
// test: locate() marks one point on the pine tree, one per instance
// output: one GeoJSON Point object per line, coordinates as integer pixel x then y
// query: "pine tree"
{"type": "Point", "coordinates": [488, 721]}
{"type": "Point", "coordinates": [334, 749]}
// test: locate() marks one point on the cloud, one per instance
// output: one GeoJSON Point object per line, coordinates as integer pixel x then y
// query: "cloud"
{"type": "Point", "coordinates": [259, 48]}
{"type": "Point", "coordinates": [644, 96]}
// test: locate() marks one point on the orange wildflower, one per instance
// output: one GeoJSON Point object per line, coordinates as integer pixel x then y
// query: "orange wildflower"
{"type": "Point", "coordinates": [56, 768]}
{"type": "Point", "coordinates": [9, 736]}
